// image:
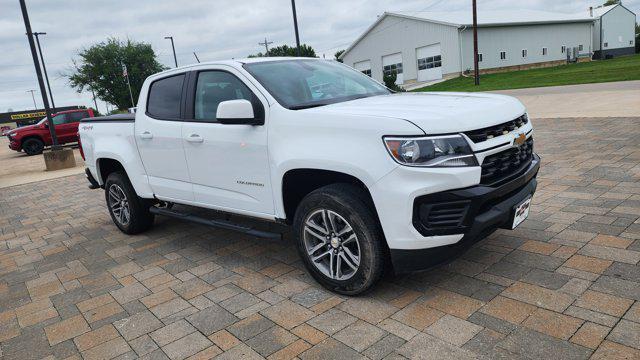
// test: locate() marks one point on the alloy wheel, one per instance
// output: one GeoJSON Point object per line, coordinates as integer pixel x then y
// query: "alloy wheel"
{"type": "Point", "coordinates": [331, 244]}
{"type": "Point", "coordinates": [119, 204]}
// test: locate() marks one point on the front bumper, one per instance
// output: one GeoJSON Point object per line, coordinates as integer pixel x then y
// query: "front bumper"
{"type": "Point", "coordinates": [490, 208]}
{"type": "Point", "coordinates": [14, 145]}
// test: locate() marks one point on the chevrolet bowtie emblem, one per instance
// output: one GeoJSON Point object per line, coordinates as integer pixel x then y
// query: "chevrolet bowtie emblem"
{"type": "Point", "coordinates": [519, 139]}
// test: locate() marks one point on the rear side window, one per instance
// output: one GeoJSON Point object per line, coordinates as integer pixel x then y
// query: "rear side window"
{"type": "Point", "coordinates": [77, 116]}
{"type": "Point", "coordinates": [164, 97]}
{"type": "Point", "coordinates": [59, 119]}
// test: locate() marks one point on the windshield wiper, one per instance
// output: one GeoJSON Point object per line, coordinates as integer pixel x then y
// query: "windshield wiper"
{"type": "Point", "coordinates": [307, 106]}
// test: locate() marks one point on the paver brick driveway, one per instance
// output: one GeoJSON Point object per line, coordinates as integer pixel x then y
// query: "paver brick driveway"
{"type": "Point", "coordinates": [564, 285]}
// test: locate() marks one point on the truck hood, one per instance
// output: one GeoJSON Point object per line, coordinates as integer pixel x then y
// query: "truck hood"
{"type": "Point", "coordinates": [435, 113]}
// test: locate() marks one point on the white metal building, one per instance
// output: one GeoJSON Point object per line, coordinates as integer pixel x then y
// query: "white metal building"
{"type": "Point", "coordinates": [427, 46]}
{"type": "Point", "coordinates": [614, 31]}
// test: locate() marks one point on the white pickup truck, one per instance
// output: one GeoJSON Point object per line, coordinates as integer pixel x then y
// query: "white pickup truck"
{"type": "Point", "coordinates": [362, 174]}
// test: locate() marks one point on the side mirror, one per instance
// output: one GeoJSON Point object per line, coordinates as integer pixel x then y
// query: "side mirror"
{"type": "Point", "coordinates": [46, 124]}
{"type": "Point", "coordinates": [237, 112]}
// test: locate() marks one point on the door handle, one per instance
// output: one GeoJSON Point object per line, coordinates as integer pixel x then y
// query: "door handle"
{"type": "Point", "coordinates": [195, 138]}
{"type": "Point", "coordinates": [146, 135]}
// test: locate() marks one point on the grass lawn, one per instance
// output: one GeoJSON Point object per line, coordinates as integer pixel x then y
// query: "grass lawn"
{"type": "Point", "coordinates": [616, 69]}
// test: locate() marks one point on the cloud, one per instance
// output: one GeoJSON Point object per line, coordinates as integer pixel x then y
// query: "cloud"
{"type": "Point", "coordinates": [215, 29]}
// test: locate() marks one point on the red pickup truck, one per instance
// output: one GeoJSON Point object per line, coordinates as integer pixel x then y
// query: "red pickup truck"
{"type": "Point", "coordinates": [33, 138]}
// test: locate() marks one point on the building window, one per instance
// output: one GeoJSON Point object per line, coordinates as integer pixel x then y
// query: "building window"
{"type": "Point", "coordinates": [524, 53]}
{"type": "Point", "coordinates": [503, 55]}
{"type": "Point", "coordinates": [563, 49]}
{"type": "Point", "coordinates": [580, 47]}
{"type": "Point", "coordinates": [392, 68]}
{"type": "Point", "coordinates": [367, 72]}
{"type": "Point", "coordinates": [430, 62]}
{"type": "Point", "coordinates": [606, 44]}
{"type": "Point", "coordinates": [544, 51]}
{"type": "Point", "coordinates": [479, 57]}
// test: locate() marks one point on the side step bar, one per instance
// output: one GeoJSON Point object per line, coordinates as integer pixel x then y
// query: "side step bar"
{"type": "Point", "coordinates": [227, 225]}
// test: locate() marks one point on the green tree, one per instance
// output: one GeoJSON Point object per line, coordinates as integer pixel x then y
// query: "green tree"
{"type": "Point", "coordinates": [637, 38]}
{"type": "Point", "coordinates": [611, 2]}
{"type": "Point", "coordinates": [390, 82]}
{"type": "Point", "coordinates": [338, 54]}
{"type": "Point", "coordinates": [100, 68]}
{"type": "Point", "coordinates": [285, 50]}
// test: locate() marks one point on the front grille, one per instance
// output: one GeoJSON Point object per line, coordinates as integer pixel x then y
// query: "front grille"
{"type": "Point", "coordinates": [445, 215]}
{"type": "Point", "coordinates": [506, 164]}
{"type": "Point", "coordinates": [485, 134]}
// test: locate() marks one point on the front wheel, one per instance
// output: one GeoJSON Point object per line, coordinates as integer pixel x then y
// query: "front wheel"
{"type": "Point", "coordinates": [340, 239]}
{"type": "Point", "coordinates": [129, 212]}
{"type": "Point", "coordinates": [33, 146]}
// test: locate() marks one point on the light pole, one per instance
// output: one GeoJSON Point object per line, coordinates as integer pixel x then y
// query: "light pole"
{"type": "Point", "coordinates": [35, 107]}
{"type": "Point", "coordinates": [295, 26]}
{"type": "Point", "coordinates": [44, 68]}
{"type": "Point", "coordinates": [476, 68]}
{"type": "Point", "coordinates": [45, 99]}
{"type": "Point", "coordinates": [175, 59]}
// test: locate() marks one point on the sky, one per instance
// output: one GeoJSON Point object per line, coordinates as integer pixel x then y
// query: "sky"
{"type": "Point", "coordinates": [214, 29]}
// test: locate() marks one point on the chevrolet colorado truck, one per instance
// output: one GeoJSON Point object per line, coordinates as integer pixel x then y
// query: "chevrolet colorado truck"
{"type": "Point", "coordinates": [32, 139]}
{"type": "Point", "coordinates": [368, 179]}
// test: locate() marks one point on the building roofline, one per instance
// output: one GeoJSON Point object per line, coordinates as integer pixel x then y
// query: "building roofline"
{"type": "Point", "coordinates": [567, 21]}
{"type": "Point", "coordinates": [613, 7]}
{"type": "Point", "coordinates": [410, 17]}
{"type": "Point", "coordinates": [379, 19]}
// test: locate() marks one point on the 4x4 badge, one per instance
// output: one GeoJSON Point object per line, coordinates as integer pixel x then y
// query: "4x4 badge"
{"type": "Point", "coordinates": [520, 139]}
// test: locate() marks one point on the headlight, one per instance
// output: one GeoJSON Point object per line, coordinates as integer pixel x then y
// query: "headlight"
{"type": "Point", "coordinates": [432, 151]}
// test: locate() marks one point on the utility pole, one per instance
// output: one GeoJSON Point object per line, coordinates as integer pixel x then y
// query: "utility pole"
{"type": "Point", "coordinates": [44, 68]}
{"type": "Point", "coordinates": [35, 107]}
{"type": "Point", "coordinates": [476, 68]}
{"type": "Point", "coordinates": [295, 26]}
{"type": "Point", "coordinates": [45, 100]}
{"type": "Point", "coordinates": [196, 56]}
{"type": "Point", "coordinates": [266, 46]}
{"type": "Point", "coordinates": [175, 59]}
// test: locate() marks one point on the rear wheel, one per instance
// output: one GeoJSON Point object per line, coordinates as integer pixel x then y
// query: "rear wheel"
{"type": "Point", "coordinates": [129, 212]}
{"type": "Point", "coordinates": [339, 239]}
{"type": "Point", "coordinates": [33, 146]}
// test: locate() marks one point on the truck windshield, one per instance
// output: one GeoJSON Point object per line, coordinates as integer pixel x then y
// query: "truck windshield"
{"type": "Point", "coordinates": [301, 84]}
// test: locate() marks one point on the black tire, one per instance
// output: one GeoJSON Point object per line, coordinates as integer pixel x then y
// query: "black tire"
{"type": "Point", "coordinates": [33, 146]}
{"type": "Point", "coordinates": [139, 217]}
{"type": "Point", "coordinates": [353, 208]}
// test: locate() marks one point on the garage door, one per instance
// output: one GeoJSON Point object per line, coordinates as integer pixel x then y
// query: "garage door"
{"type": "Point", "coordinates": [364, 67]}
{"type": "Point", "coordinates": [393, 63]}
{"type": "Point", "coordinates": [429, 62]}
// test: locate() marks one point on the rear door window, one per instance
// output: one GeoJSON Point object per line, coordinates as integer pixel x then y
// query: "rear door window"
{"type": "Point", "coordinates": [165, 97]}
{"type": "Point", "coordinates": [77, 116]}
